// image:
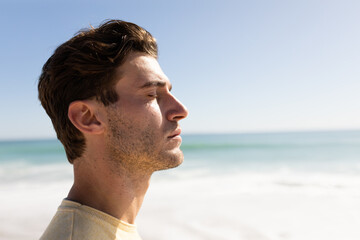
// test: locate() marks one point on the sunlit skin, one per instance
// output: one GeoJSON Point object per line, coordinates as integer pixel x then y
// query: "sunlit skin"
{"type": "Point", "coordinates": [143, 124]}
{"type": "Point", "coordinates": [128, 140]}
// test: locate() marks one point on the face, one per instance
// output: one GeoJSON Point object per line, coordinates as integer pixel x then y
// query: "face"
{"type": "Point", "coordinates": [143, 132]}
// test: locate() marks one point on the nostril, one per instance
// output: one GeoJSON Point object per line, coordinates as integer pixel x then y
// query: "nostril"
{"type": "Point", "coordinates": [177, 115]}
{"type": "Point", "coordinates": [179, 118]}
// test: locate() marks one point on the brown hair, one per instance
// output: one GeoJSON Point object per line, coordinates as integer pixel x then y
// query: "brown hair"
{"type": "Point", "coordinates": [84, 67]}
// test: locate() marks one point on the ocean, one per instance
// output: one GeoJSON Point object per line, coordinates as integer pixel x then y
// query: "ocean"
{"type": "Point", "coordinates": [259, 186]}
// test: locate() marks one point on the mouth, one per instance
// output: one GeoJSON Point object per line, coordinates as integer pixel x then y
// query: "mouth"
{"type": "Point", "coordinates": [175, 133]}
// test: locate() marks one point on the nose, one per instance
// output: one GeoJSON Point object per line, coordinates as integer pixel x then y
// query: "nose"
{"type": "Point", "coordinates": [177, 111]}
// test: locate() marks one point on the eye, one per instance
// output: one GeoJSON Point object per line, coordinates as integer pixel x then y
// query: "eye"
{"type": "Point", "coordinates": [153, 95]}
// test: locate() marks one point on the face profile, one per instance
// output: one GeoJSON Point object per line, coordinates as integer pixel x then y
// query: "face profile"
{"type": "Point", "coordinates": [143, 125]}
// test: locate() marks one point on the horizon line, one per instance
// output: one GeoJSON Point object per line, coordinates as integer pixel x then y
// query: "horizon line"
{"type": "Point", "coordinates": [208, 133]}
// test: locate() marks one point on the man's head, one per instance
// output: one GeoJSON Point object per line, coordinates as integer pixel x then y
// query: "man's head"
{"type": "Point", "coordinates": [87, 67]}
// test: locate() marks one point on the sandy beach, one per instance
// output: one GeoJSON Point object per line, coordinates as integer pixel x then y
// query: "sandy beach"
{"type": "Point", "coordinates": [227, 208]}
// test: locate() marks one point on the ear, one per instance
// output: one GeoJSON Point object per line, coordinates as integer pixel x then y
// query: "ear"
{"type": "Point", "coordinates": [84, 115]}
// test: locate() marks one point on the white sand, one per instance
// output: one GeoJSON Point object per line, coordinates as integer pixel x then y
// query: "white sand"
{"type": "Point", "coordinates": [241, 206]}
{"type": "Point", "coordinates": [226, 209]}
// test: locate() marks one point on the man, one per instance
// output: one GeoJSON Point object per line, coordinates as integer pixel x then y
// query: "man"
{"type": "Point", "coordinates": [112, 109]}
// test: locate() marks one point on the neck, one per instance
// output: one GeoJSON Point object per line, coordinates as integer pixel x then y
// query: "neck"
{"type": "Point", "coordinates": [118, 194]}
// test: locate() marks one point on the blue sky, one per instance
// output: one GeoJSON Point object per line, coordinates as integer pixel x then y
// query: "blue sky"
{"type": "Point", "coordinates": [239, 66]}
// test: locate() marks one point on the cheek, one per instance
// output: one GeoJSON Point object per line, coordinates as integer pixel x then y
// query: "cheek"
{"type": "Point", "coordinates": [153, 114]}
{"type": "Point", "coordinates": [142, 115]}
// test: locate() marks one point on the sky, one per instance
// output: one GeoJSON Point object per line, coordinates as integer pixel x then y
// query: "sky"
{"type": "Point", "coordinates": [238, 66]}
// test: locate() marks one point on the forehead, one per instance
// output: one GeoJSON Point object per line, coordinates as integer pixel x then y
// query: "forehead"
{"type": "Point", "coordinates": [139, 69]}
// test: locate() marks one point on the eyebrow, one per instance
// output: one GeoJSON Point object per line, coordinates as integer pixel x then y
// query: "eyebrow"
{"type": "Point", "coordinates": [155, 84]}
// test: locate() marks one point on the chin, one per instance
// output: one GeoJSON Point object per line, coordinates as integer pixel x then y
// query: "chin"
{"type": "Point", "coordinates": [171, 160]}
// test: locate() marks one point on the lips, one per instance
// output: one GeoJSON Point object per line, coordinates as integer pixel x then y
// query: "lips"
{"type": "Point", "coordinates": [175, 133]}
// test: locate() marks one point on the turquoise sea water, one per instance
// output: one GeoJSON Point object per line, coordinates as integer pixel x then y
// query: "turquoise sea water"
{"type": "Point", "coordinates": [337, 151]}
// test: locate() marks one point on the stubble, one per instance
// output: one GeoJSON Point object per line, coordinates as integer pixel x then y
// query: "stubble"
{"type": "Point", "coordinates": [138, 150]}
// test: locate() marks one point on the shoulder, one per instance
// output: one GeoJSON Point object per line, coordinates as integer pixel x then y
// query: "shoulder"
{"type": "Point", "coordinates": [61, 226]}
{"type": "Point", "coordinates": [74, 221]}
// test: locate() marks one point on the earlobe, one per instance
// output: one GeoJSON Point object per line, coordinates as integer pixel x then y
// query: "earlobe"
{"type": "Point", "coordinates": [83, 115]}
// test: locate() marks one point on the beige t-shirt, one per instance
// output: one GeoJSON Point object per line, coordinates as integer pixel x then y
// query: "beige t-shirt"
{"type": "Point", "coordinates": [74, 221]}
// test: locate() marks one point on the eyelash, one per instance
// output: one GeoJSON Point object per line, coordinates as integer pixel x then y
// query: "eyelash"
{"type": "Point", "coordinates": [153, 95]}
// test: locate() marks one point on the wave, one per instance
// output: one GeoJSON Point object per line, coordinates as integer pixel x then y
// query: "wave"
{"type": "Point", "coordinates": [28, 173]}
{"type": "Point", "coordinates": [214, 146]}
